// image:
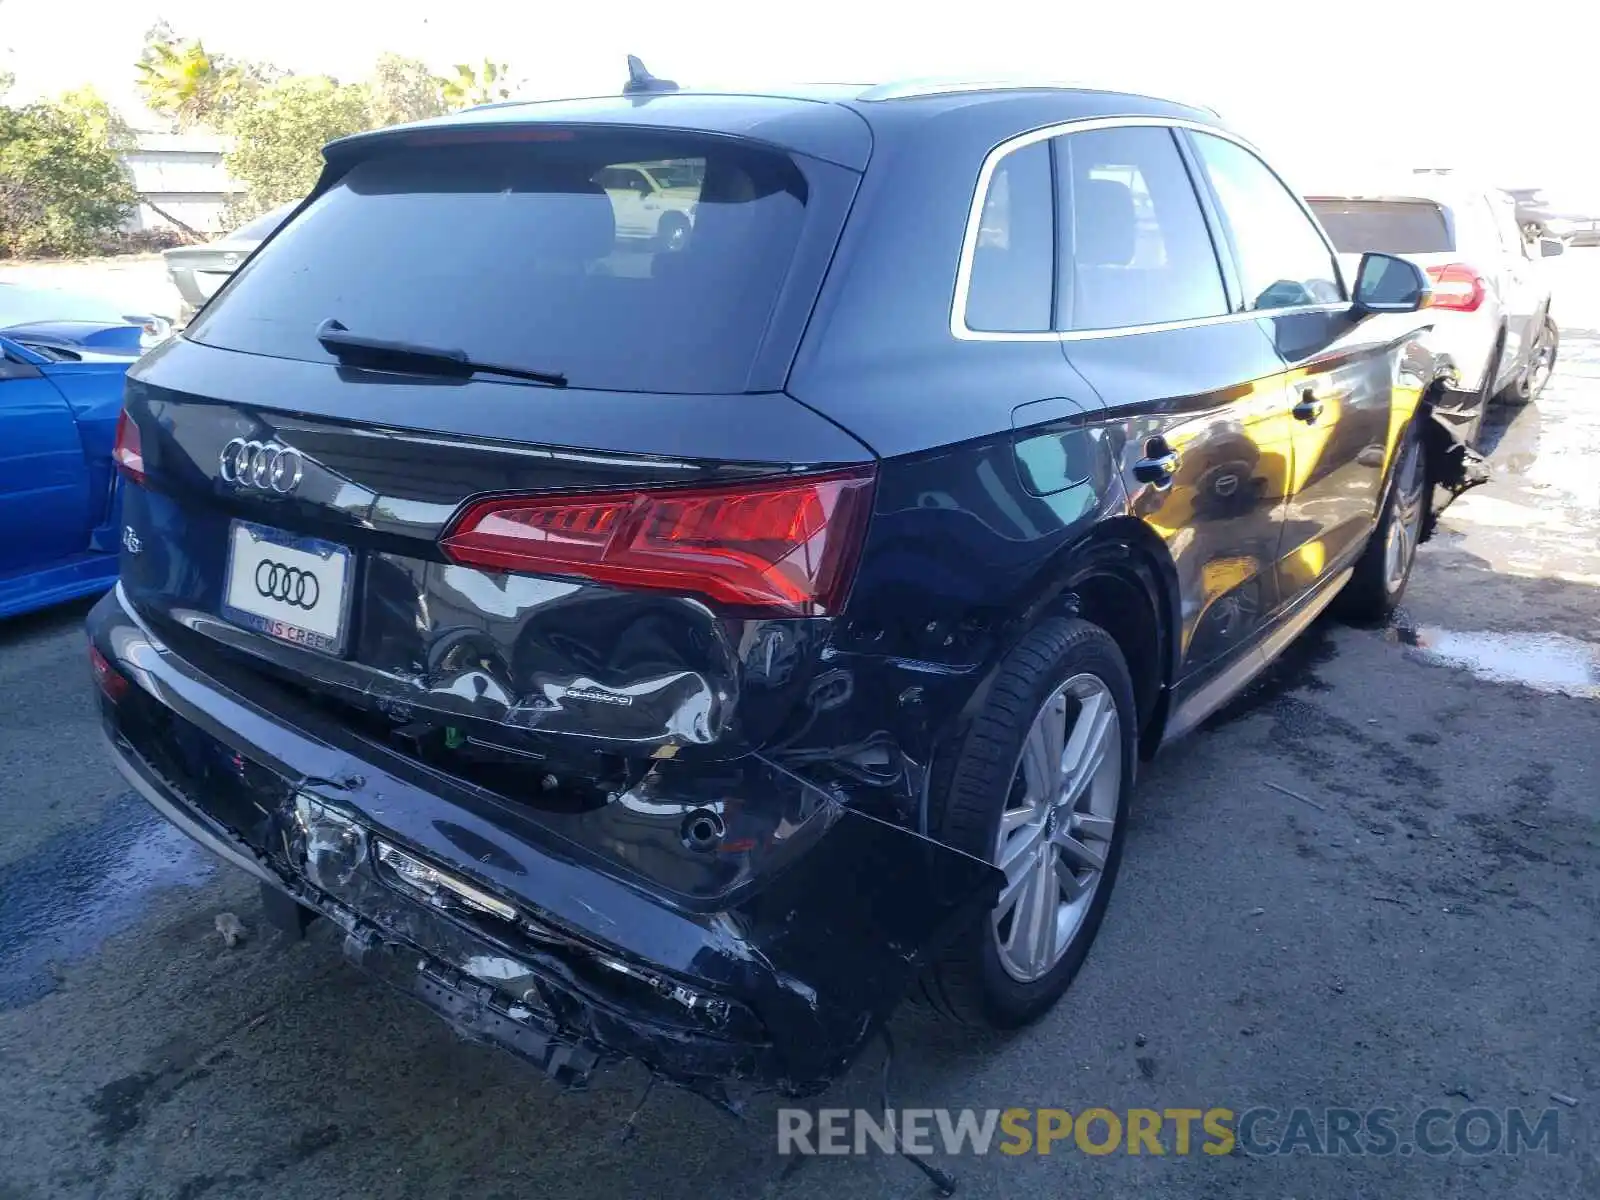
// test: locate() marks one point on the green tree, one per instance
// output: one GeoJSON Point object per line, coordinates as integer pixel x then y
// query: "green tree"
{"type": "Point", "coordinates": [279, 134]}
{"type": "Point", "coordinates": [62, 188]}
{"type": "Point", "coordinates": [404, 89]}
{"type": "Point", "coordinates": [100, 121]}
{"type": "Point", "coordinates": [469, 85]}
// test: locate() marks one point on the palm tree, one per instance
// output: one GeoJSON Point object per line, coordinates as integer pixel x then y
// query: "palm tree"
{"type": "Point", "coordinates": [186, 83]}
{"type": "Point", "coordinates": [483, 85]}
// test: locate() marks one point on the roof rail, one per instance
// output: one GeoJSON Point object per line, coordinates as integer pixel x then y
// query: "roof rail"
{"type": "Point", "coordinates": [912, 89]}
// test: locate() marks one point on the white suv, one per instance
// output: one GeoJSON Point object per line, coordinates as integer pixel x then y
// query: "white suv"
{"type": "Point", "coordinates": [1490, 291]}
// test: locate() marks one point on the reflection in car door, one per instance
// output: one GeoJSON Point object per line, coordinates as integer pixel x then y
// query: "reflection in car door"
{"type": "Point", "coordinates": [1146, 318]}
{"type": "Point", "coordinates": [1337, 370]}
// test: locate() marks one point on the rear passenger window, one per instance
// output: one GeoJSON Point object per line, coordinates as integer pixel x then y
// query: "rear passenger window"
{"type": "Point", "coordinates": [1013, 261]}
{"type": "Point", "coordinates": [1283, 261]}
{"type": "Point", "coordinates": [1136, 250]}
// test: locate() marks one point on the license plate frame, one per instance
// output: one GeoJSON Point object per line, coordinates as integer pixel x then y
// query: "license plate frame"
{"type": "Point", "coordinates": [314, 560]}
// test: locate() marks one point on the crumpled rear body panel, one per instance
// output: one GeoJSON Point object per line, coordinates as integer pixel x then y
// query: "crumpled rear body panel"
{"type": "Point", "coordinates": [558, 961]}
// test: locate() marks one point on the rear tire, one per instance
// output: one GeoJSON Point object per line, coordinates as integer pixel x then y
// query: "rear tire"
{"type": "Point", "coordinates": [1541, 365]}
{"type": "Point", "coordinates": [1062, 697]}
{"type": "Point", "coordinates": [1384, 568]}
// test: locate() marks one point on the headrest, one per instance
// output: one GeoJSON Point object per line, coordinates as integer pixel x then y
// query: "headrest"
{"type": "Point", "coordinates": [1106, 226]}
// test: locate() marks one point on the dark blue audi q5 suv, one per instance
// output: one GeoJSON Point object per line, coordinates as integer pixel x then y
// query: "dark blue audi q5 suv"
{"type": "Point", "coordinates": [684, 648]}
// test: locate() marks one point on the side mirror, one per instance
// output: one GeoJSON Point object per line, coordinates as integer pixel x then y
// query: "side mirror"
{"type": "Point", "coordinates": [1385, 283]}
{"type": "Point", "coordinates": [1550, 247]}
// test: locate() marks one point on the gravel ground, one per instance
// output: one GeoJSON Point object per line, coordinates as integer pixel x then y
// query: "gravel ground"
{"type": "Point", "coordinates": [1373, 881]}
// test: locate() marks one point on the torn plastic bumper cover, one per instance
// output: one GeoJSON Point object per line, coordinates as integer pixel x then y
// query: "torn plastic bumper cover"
{"type": "Point", "coordinates": [444, 890]}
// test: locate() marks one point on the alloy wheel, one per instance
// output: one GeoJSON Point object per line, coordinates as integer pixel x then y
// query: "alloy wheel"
{"type": "Point", "coordinates": [1543, 365]}
{"type": "Point", "coordinates": [1405, 521]}
{"type": "Point", "coordinates": [1055, 832]}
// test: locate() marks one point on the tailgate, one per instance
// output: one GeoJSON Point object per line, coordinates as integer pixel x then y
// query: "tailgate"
{"type": "Point", "coordinates": [517, 497]}
{"type": "Point", "coordinates": [331, 573]}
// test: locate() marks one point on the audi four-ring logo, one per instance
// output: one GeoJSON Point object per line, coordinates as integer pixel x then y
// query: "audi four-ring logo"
{"type": "Point", "coordinates": [279, 581]}
{"type": "Point", "coordinates": [265, 465]}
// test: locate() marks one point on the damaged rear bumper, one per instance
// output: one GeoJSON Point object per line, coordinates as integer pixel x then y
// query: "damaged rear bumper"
{"type": "Point", "coordinates": [451, 893]}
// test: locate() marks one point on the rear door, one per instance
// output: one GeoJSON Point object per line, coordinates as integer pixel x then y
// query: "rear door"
{"type": "Point", "coordinates": [1520, 283]}
{"type": "Point", "coordinates": [1339, 375]}
{"type": "Point", "coordinates": [1193, 389]}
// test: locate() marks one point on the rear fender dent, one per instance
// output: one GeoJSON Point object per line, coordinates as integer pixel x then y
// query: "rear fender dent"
{"type": "Point", "coordinates": [1122, 549]}
{"type": "Point", "coordinates": [846, 931]}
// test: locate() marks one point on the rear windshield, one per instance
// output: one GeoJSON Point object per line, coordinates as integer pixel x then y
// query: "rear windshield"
{"type": "Point", "coordinates": [1384, 226]}
{"type": "Point", "coordinates": [626, 261]}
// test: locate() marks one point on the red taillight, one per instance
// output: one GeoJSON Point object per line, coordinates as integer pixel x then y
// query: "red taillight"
{"type": "Point", "coordinates": [1456, 287]}
{"type": "Point", "coordinates": [128, 454]}
{"type": "Point", "coordinates": [788, 544]}
{"type": "Point", "coordinates": [107, 678]}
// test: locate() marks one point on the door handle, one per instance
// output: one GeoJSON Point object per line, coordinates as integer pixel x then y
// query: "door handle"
{"type": "Point", "coordinates": [1309, 409]}
{"type": "Point", "coordinates": [1158, 466]}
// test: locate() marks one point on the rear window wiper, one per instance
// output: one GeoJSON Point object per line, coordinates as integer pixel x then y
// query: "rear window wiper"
{"type": "Point", "coordinates": [356, 348]}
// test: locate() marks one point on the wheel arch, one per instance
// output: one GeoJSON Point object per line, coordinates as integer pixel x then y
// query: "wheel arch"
{"type": "Point", "coordinates": [1119, 576]}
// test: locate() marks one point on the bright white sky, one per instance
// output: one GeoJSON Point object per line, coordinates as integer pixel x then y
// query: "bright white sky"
{"type": "Point", "coordinates": [1508, 89]}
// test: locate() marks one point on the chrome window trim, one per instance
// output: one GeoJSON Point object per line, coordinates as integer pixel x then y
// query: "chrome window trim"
{"type": "Point", "coordinates": [969, 241]}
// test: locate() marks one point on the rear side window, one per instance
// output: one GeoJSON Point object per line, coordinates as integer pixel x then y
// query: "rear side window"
{"type": "Point", "coordinates": [1013, 260]}
{"type": "Point", "coordinates": [1283, 261]}
{"type": "Point", "coordinates": [1384, 226]}
{"type": "Point", "coordinates": [538, 254]}
{"type": "Point", "coordinates": [1135, 248]}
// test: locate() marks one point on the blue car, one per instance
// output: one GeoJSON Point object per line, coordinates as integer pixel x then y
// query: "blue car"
{"type": "Point", "coordinates": [60, 397]}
